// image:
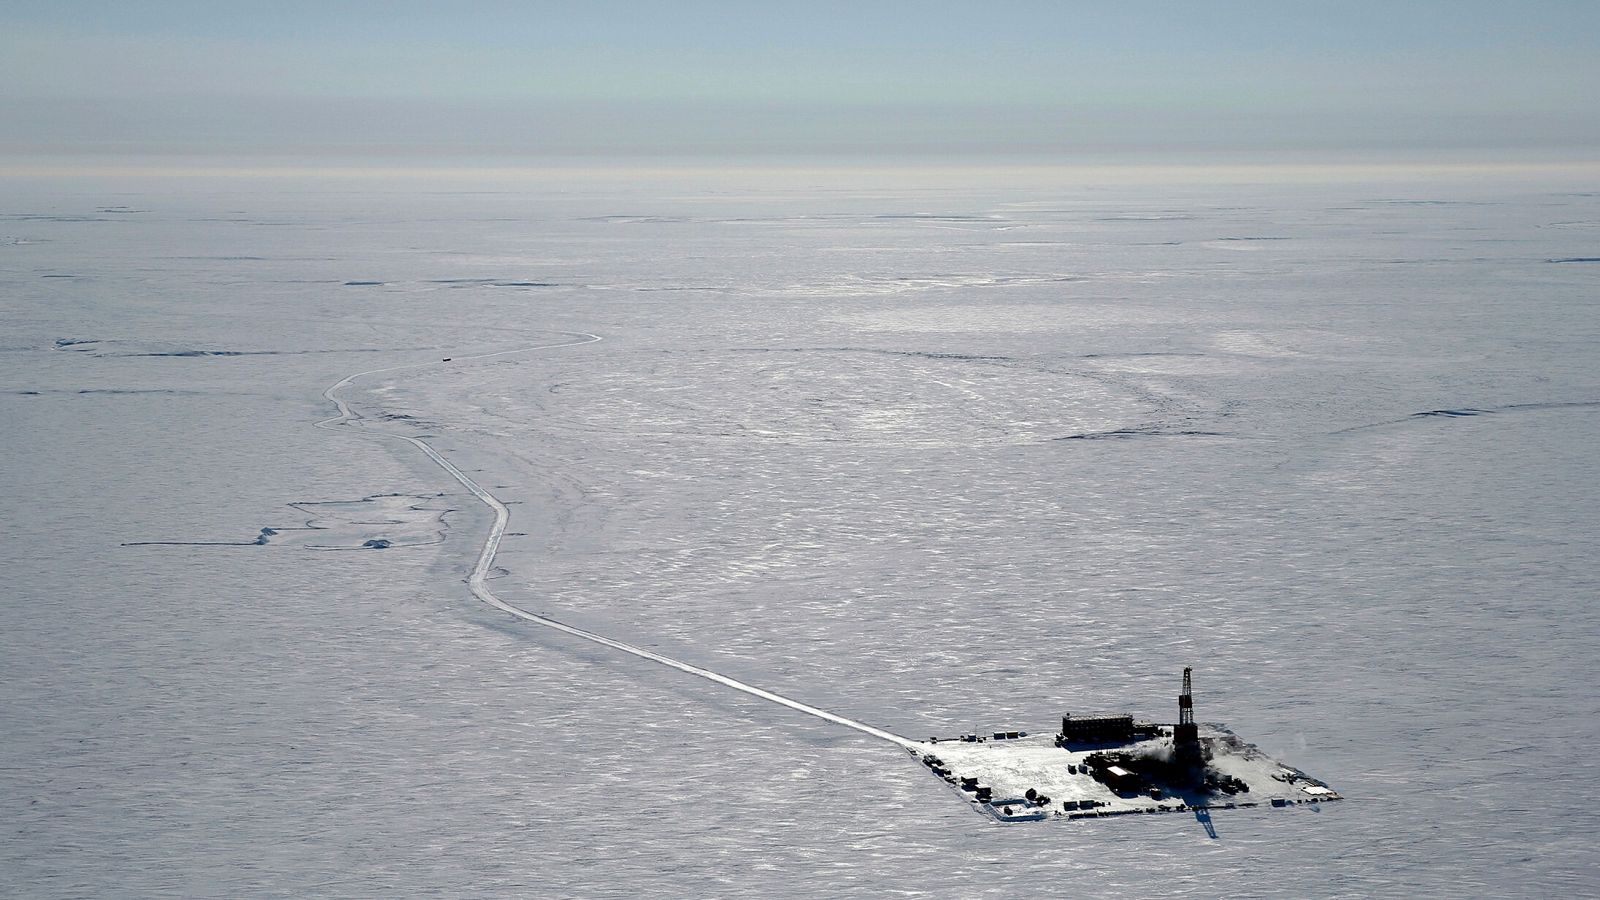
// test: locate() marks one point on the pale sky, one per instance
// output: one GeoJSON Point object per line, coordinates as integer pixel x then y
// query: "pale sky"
{"type": "Point", "coordinates": [529, 80]}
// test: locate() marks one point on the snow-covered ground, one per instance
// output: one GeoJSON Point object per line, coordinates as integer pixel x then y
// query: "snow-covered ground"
{"type": "Point", "coordinates": [931, 457]}
{"type": "Point", "coordinates": [1062, 786]}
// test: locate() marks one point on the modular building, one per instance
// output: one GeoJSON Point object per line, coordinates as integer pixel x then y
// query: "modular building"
{"type": "Point", "coordinates": [1106, 728]}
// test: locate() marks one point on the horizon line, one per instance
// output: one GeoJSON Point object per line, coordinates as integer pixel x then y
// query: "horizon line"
{"type": "Point", "coordinates": [632, 168]}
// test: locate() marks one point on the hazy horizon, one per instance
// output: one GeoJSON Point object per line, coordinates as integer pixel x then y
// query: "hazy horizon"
{"type": "Point", "coordinates": [1019, 80]}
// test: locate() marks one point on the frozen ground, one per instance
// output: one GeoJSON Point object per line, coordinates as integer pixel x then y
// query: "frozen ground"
{"type": "Point", "coordinates": [1011, 768]}
{"type": "Point", "coordinates": [929, 457]}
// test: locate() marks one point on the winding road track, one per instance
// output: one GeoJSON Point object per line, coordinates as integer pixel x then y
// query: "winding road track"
{"type": "Point", "coordinates": [477, 581]}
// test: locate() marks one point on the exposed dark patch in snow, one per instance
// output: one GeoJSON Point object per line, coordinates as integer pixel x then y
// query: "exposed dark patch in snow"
{"type": "Point", "coordinates": [1453, 413]}
{"type": "Point", "coordinates": [1463, 412]}
{"type": "Point", "coordinates": [1568, 404]}
{"type": "Point", "coordinates": [1139, 433]}
{"type": "Point", "coordinates": [961, 357]}
{"type": "Point", "coordinates": [1575, 259]}
{"type": "Point", "coordinates": [399, 521]}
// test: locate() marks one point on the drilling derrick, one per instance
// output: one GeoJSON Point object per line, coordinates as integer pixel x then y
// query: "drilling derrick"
{"type": "Point", "coordinates": [1186, 737]}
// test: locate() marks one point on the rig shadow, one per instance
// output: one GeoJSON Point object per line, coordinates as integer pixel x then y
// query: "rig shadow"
{"type": "Point", "coordinates": [1203, 816]}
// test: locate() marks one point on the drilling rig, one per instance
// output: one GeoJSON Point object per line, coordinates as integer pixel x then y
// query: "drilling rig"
{"type": "Point", "coordinates": [1186, 737]}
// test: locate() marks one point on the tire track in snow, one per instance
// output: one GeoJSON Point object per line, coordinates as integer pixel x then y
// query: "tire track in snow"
{"type": "Point", "coordinates": [478, 580]}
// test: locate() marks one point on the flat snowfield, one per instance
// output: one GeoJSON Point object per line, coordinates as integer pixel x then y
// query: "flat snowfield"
{"type": "Point", "coordinates": [649, 521]}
